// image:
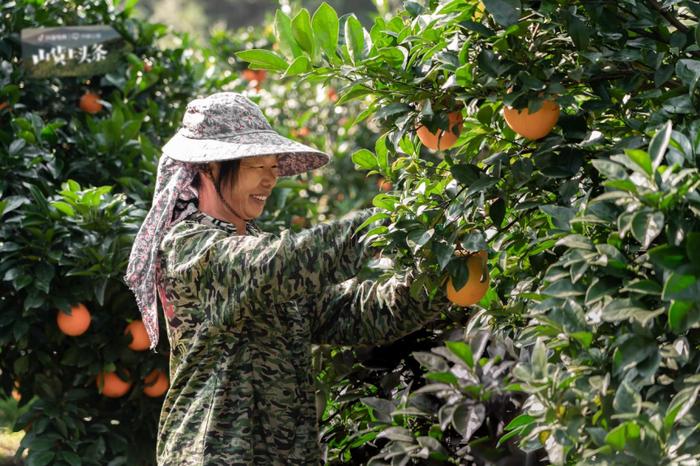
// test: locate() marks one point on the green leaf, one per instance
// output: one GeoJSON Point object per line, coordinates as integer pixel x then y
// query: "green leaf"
{"type": "Point", "coordinates": [382, 152]}
{"type": "Point", "coordinates": [298, 66]}
{"type": "Point", "coordinates": [416, 239]}
{"type": "Point", "coordinates": [539, 358]}
{"type": "Point", "coordinates": [641, 158]}
{"type": "Point", "coordinates": [303, 32]}
{"type": "Point", "coordinates": [579, 31]}
{"type": "Point", "coordinates": [692, 247]}
{"type": "Point", "coordinates": [263, 59]}
{"type": "Point", "coordinates": [646, 226]}
{"type": "Point", "coordinates": [43, 273]}
{"type": "Point", "coordinates": [325, 28]}
{"type": "Point", "coordinates": [609, 169]}
{"type": "Point", "coordinates": [683, 315]}
{"type": "Point", "coordinates": [497, 211]}
{"type": "Point", "coordinates": [681, 404]}
{"type": "Point", "coordinates": [355, 92]}
{"type": "Point", "coordinates": [681, 287]}
{"type": "Point", "coordinates": [618, 437]}
{"type": "Point", "coordinates": [465, 174]}
{"type": "Point", "coordinates": [659, 144]}
{"type": "Point", "coordinates": [519, 421]}
{"type": "Point", "coordinates": [283, 32]}
{"type": "Point", "coordinates": [688, 71]}
{"type": "Point", "coordinates": [372, 219]}
{"type": "Point", "coordinates": [646, 287]}
{"type": "Point", "coordinates": [365, 159]}
{"type": "Point", "coordinates": [384, 201]}
{"type": "Point", "coordinates": [561, 216]}
{"type": "Point", "coordinates": [622, 309]}
{"type": "Point", "coordinates": [627, 399]}
{"type": "Point", "coordinates": [443, 252]}
{"type": "Point", "coordinates": [505, 12]}
{"type": "Point", "coordinates": [64, 207]}
{"type": "Point", "coordinates": [444, 377]}
{"type": "Point", "coordinates": [463, 350]}
{"type": "Point", "coordinates": [354, 39]}
{"type": "Point", "coordinates": [667, 256]}
{"type": "Point", "coordinates": [41, 458]}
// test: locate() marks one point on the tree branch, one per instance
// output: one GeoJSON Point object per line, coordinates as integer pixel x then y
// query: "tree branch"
{"type": "Point", "coordinates": [669, 16]}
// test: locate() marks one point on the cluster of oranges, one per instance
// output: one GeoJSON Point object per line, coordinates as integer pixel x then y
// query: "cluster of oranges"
{"type": "Point", "coordinates": [532, 126]}
{"type": "Point", "coordinates": [109, 383]}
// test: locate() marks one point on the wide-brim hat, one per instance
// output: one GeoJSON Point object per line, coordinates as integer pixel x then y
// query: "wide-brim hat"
{"type": "Point", "coordinates": [228, 125]}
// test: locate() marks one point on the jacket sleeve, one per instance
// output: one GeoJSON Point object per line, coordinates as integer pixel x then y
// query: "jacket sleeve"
{"type": "Point", "coordinates": [371, 312]}
{"type": "Point", "coordinates": [233, 273]}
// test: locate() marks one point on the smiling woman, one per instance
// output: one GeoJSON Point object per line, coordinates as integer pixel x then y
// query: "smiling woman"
{"type": "Point", "coordinates": [243, 306]}
{"type": "Point", "coordinates": [236, 190]}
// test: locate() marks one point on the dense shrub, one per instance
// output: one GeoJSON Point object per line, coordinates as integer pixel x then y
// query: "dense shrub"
{"type": "Point", "coordinates": [591, 230]}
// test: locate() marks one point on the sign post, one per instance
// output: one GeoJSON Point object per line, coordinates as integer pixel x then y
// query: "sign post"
{"type": "Point", "coordinates": [71, 50]}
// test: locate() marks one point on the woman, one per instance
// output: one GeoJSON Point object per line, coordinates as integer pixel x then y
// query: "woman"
{"type": "Point", "coordinates": [243, 306]}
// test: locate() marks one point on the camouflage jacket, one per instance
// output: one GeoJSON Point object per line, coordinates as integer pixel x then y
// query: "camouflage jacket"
{"type": "Point", "coordinates": [243, 313]}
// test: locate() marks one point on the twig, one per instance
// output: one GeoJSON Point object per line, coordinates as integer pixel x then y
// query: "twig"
{"type": "Point", "coordinates": [669, 17]}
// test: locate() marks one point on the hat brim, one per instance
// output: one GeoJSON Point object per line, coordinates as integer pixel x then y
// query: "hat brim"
{"type": "Point", "coordinates": [293, 157]}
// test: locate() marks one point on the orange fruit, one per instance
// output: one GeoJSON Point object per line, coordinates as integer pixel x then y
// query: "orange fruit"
{"type": "Point", "coordinates": [474, 289]}
{"type": "Point", "coordinates": [114, 386]}
{"type": "Point", "coordinates": [90, 102]}
{"type": "Point", "coordinates": [3, 105]}
{"type": "Point", "coordinates": [443, 139]}
{"type": "Point", "coordinates": [147, 65]}
{"type": "Point", "coordinates": [332, 94]}
{"type": "Point", "coordinates": [298, 220]}
{"type": "Point", "coordinates": [254, 75]}
{"type": "Point", "coordinates": [384, 184]}
{"type": "Point", "coordinates": [533, 125]}
{"type": "Point", "coordinates": [301, 132]}
{"type": "Point", "coordinates": [76, 323]}
{"type": "Point", "coordinates": [140, 340]}
{"type": "Point", "coordinates": [155, 383]}
{"type": "Point", "coordinates": [15, 393]}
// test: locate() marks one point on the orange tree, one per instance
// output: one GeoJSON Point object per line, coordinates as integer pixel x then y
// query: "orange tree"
{"type": "Point", "coordinates": [78, 174]}
{"type": "Point", "coordinates": [79, 179]}
{"type": "Point", "coordinates": [589, 329]}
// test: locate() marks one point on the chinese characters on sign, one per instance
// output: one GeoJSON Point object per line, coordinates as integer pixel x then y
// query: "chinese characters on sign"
{"type": "Point", "coordinates": [71, 50]}
{"type": "Point", "coordinates": [58, 54]}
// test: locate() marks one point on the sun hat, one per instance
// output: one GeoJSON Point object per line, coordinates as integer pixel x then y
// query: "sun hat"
{"type": "Point", "coordinates": [222, 126]}
{"type": "Point", "coordinates": [228, 125]}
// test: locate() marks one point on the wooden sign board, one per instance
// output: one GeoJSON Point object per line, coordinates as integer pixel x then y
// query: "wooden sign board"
{"type": "Point", "coordinates": [71, 50]}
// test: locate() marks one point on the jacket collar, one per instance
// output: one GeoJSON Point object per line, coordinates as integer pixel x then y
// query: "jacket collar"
{"type": "Point", "coordinates": [192, 213]}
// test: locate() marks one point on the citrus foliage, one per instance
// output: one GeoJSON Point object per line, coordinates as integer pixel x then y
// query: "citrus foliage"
{"type": "Point", "coordinates": [591, 230]}
{"type": "Point", "coordinates": [79, 182]}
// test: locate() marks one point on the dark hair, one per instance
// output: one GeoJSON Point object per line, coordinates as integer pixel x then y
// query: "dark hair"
{"type": "Point", "coordinates": [228, 170]}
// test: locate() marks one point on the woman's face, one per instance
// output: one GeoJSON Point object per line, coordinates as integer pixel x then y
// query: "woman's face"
{"type": "Point", "coordinates": [256, 178]}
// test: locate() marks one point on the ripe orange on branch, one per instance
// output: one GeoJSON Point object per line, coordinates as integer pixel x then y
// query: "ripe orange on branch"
{"type": "Point", "coordinates": [384, 184]}
{"type": "Point", "coordinates": [76, 323]}
{"type": "Point", "coordinates": [155, 383]}
{"type": "Point", "coordinates": [475, 289]}
{"type": "Point", "coordinates": [114, 386]}
{"type": "Point", "coordinates": [140, 341]}
{"type": "Point", "coordinates": [534, 125]}
{"type": "Point", "coordinates": [443, 139]}
{"type": "Point", "coordinates": [90, 102]}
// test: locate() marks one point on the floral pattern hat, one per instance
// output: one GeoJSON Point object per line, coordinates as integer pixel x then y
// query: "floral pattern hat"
{"type": "Point", "coordinates": [222, 126]}
{"type": "Point", "coordinates": [227, 125]}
